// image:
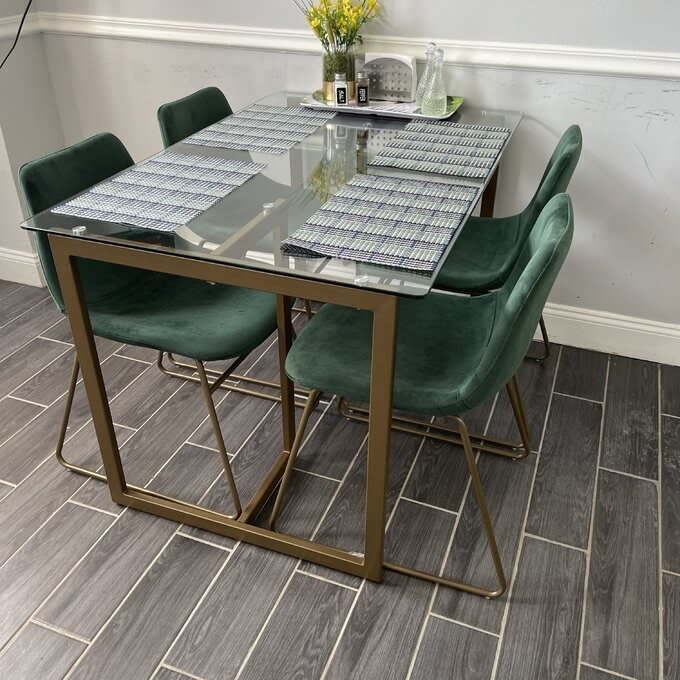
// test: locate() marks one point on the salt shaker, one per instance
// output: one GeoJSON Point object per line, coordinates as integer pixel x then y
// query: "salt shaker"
{"type": "Point", "coordinates": [340, 86]}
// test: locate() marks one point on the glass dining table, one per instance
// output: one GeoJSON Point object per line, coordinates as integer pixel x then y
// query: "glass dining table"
{"type": "Point", "coordinates": [238, 242]}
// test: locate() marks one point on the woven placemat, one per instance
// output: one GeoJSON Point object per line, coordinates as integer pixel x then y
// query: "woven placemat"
{"type": "Point", "coordinates": [385, 221]}
{"type": "Point", "coordinates": [264, 128]}
{"type": "Point", "coordinates": [162, 193]}
{"type": "Point", "coordinates": [445, 148]}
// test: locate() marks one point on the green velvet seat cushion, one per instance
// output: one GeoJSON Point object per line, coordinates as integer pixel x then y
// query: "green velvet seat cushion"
{"type": "Point", "coordinates": [483, 255]}
{"type": "Point", "coordinates": [452, 352]}
{"type": "Point", "coordinates": [184, 316]}
{"type": "Point", "coordinates": [439, 341]}
{"type": "Point", "coordinates": [192, 113]}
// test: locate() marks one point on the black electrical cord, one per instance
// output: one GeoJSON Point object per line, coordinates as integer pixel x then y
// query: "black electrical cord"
{"type": "Point", "coordinates": [16, 39]}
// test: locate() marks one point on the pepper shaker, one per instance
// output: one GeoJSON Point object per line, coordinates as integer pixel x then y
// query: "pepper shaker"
{"type": "Point", "coordinates": [363, 81]}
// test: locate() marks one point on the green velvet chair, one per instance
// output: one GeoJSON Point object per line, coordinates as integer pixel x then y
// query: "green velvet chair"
{"type": "Point", "coordinates": [168, 313]}
{"type": "Point", "coordinates": [192, 113]}
{"type": "Point", "coordinates": [453, 353]}
{"type": "Point", "coordinates": [487, 249]}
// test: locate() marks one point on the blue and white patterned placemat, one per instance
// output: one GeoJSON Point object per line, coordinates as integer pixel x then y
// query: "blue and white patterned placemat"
{"type": "Point", "coordinates": [386, 221]}
{"type": "Point", "coordinates": [162, 193]}
{"type": "Point", "coordinates": [264, 128]}
{"type": "Point", "coordinates": [445, 148]}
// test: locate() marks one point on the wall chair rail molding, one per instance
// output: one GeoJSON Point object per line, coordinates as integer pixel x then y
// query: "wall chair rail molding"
{"type": "Point", "coordinates": [536, 57]}
{"type": "Point", "coordinates": [9, 25]}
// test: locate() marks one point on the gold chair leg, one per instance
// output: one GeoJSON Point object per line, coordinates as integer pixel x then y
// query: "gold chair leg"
{"type": "Point", "coordinates": [185, 372]}
{"type": "Point", "coordinates": [440, 432]}
{"type": "Point", "coordinates": [546, 344]}
{"type": "Point", "coordinates": [306, 310]}
{"type": "Point", "coordinates": [207, 390]}
{"type": "Point", "coordinates": [312, 401]}
{"type": "Point", "coordinates": [515, 397]}
{"type": "Point", "coordinates": [488, 530]}
{"type": "Point", "coordinates": [64, 427]}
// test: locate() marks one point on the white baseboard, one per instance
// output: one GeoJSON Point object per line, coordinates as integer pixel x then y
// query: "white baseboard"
{"type": "Point", "coordinates": [20, 267]}
{"type": "Point", "coordinates": [534, 57]}
{"type": "Point", "coordinates": [614, 333]}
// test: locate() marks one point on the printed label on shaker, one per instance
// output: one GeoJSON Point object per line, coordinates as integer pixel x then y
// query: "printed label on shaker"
{"type": "Point", "coordinates": [341, 95]}
{"type": "Point", "coordinates": [362, 95]}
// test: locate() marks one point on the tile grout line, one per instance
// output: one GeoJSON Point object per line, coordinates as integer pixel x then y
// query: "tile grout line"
{"type": "Point", "coordinates": [342, 630]}
{"type": "Point", "coordinates": [50, 405]}
{"type": "Point", "coordinates": [70, 501]}
{"type": "Point", "coordinates": [202, 446]}
{"type": "Point", "coordinates": [407, 499]}
{"type": "Point", "coordinates": [123, 600]}
{"type": "Point", "coordinates": [315, 474]}
{"type": "Point", "coordinates": [25, 312]}
{"type": "Point", "coordinates": [174, 669]}
{"type": "Point", "coordinates": [42, 368]}
{"type": "Point", "coordinates": [522, 534]}
{"type": "Point", "coordinates": [592, 522]}
{"type": "Point", "coordinates": [251, 649]}
{"type": "Point", "coordinates": [561, 544]}
{"type": "Point", "coordinates": [576, 396]}
{"type": "Point", "coordinates": [51, 515]}
{"type": "Point", "coordinates": [129, 358]}
{"type": "Point", "coordinates": [607, 670]}
{"type": "Point", "coordinates": [612, 471]}
{"type": "Point", "coordinates": [40, 336]}
{"type": "Point", "coordinates": [325, 579]}
{"type": "Point", "coordinates": [671, 573]}
{"type": "Point", "coordinates": [670, 415]}
{"type": "Point", "coordinates": [211, 486]}
{"type": "Point", "coordinates": [203, 540]}
{"type": "Point", "coordinates": [447, 552]}
{"type": "Point", "coordinates": [362, 585]}
{"type": "Point", "coordinates": [23, 344]}
{"type": "Point", "coordinates": [193, 611]}
{"type": "Point", "coordinates": [463, 624]}
{"type": "Point", "coordinates": [25, 401]}
{"type": "Point", "coordinates": [35, 614]}
{"type": "Point", "coordinates": [299, 562]}
{"type": "Point", "coordinates": [659, 521]}
{"type": "Point", "coordinates": [59, 631]}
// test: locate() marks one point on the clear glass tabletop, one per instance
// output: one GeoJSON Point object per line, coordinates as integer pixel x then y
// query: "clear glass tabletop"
{"type": "Point", "coordinates": [247, 226]}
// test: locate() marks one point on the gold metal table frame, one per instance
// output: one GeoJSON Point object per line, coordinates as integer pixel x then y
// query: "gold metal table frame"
{"type": "Point", "coordinates": [384, 306]}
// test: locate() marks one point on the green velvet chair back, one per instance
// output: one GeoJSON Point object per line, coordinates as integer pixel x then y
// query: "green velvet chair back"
{"type": "Point", "coordinates": [519, 303]}
{"type": "Point", "coordinates": [183, 117]}
{"type": "Point", "coordinates": [556, 177]}
{"type": "Point", "coordinates": [60, 175]}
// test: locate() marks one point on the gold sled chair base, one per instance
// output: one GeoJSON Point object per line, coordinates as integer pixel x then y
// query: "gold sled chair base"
{"type": "Point", "coordinates": [441, 432]}
{"type": "Point", "coordinates": [464, 438]}
{"type": "Point", "coordinates": [234, 383]}
{"type": "Point", "coordinates": [207, 389]}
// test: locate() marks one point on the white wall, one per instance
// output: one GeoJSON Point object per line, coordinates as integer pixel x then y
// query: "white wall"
{"type": "Point", "coordinates": [30, 126]}
{"type": "Point", "coordinates": [617, 289]}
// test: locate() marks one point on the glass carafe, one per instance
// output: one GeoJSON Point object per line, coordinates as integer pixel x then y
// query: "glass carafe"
{"type": "Point", "coordinates": [422, 83]}
{"type": "Point", "coordinates": [434, 97]}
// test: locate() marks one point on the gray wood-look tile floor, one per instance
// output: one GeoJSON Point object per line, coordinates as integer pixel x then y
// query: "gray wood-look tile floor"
{"type": "Point", "coordinates": [588, 527]}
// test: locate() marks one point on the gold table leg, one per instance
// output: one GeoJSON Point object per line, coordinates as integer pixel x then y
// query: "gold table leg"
{"type": "Point", "coordinates": [66, 250]}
